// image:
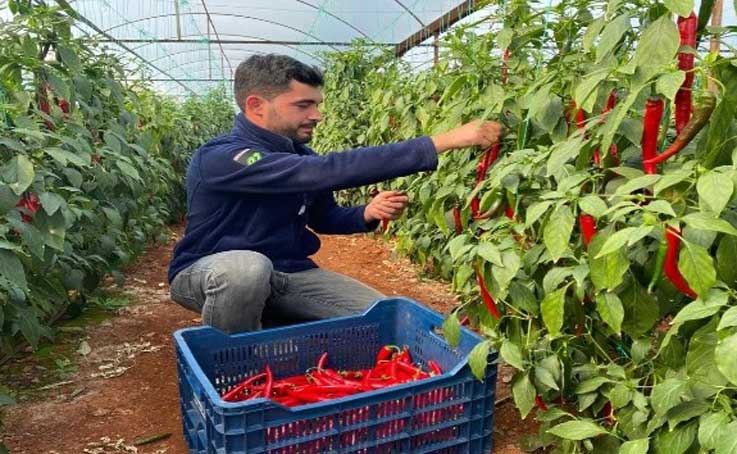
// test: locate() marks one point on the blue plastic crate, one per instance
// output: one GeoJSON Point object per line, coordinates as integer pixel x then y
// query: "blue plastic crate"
{"type": "Point", "coordinates": [450, 413]}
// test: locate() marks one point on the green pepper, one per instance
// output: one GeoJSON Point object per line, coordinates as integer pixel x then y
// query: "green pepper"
{"type": "Point", "coordinates": [523, 133]}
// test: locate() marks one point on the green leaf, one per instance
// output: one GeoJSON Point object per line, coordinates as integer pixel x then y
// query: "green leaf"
{"type": "Point", "coordinates": [11, 268]}
{"type": "Point", "coordinates": [669, 83]}
{"type": "Point", "coordinates": [455, 245]}
{"type": "Point", "coordinates": [640, 310]}
{"type": "Point", "coordinates": [536, 210]}
{"type": "Point", "coordinates": [606, 272]}
{"type": "Point", "coordinates": [490, 253]}
{"type": "Point", "coordinates": [700, 360]}
{"type": "Point", "coordinates": [19, 174]}
{"type": "Point", "coordinates": [69, 58]}
{"type": "Point", "coordinates": [682, 8]}
{"type": "Point", "coordinates": [564, 152]}
{"type": "Point", "coordinates": [715, 190]}
{"type": "Point", "coordinates": [592, 31]}
{"type": "Point", "coordinates": [701, 308]}
{"type": "Point", "coordinates": [591, 385]}
{"type": "Point", "coordinates": [676, 441]}
{"type": "Point", "coordinates": [64, 157]}
{"type": "Point", "coordinates": [658, 45]}
{"type": "Point", "coordinates": [671, 179]}
{"type": "Point", "coordinates": [512, 354]}
{"type": "Point", "coordinates": [128, 170]}
{"type": "Point", "coordinates": [612, 34]}
{"type": "Point", "coordinates": [452, 330]}
{"type": "Point", "coordinates": [727, 442]}
{"type": "Point", "coordinates": [585, 93]}
{"type": "Point", "coordinates": [637, 183]}
{"type": "Point", "coordinates": [593, 205]}
{"type": "Point", "coordinates": [6, 400]}
{"type": "Point", "coordinates": [640, 446]}
{"type": "Point", "coordinates": [726, 358]}
{"type": "Point", "coordinates": [669, 393]}
{"type": "Point", "coordinates": [523, 393]}
{"type": "Point", "coordinates": [523, 298]}
{"type": "Point", "coordinates": [51, 201]}
{"type": "Point", "coordinates": [611, 310]}
{"type": "Point", "coordinates": [552, 307]}
{"type": "Point", "coordinates": [711, 427]}
{"type": "Point", "coordinates": [686, 411]}
{"type": "Point", "coordinates": [719, 141]}
{"type": "Point", "coordinates": [503, 275]}
{"type": "Point", "coordinates": [577, 430]}
{"type": "Point", "coordinates": [697, 266]}
{"type": "Point", "coordinates": [660, 206]}
{"type": "Point", "coordinates": [557, 232]}
{"type": "Point", "coordinates": [629, 236]}
{"type": "Point", "coordinates": [727, 260]}
{"type": "Point", "coordinates": [478, 359]}
{"type": "Point", "coordinates": [729, 319]}
{"type": "Point", "coordinates": [704, 221]}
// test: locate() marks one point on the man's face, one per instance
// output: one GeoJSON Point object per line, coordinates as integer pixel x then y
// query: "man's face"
{"type": "Point", "coordinates": [294, 113]}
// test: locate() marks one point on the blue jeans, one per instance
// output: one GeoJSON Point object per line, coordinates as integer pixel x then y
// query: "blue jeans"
{"type": "Point", "coordinates": [239, 291]}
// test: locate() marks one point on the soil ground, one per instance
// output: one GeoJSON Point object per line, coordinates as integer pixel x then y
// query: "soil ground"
{"type": "Point", "coordinates": [108, 381]}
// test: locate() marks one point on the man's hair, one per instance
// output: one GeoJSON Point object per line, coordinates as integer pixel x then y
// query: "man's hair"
{"type": "Point", "coordinates": [269, 75]}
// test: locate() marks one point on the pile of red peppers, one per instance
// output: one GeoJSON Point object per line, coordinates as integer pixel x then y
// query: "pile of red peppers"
{"type": "Point", "coordinates": [393, 366]}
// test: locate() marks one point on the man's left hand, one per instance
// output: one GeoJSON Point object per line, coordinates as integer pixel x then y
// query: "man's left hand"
{"type": "Point", "coordinates": [386, 205]}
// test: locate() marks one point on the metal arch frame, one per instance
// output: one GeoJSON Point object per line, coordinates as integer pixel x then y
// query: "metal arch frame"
{"type": "Point", "coordinates": [217, 35]}
{"type": "Point", "coordinates": [191, 62]}
{"type": "Point", "coordinates": [239, 16]}
{"type": "Point", "coordinates": [295, 48]}
{"type": "Point", "coordinates": [338, 18]}
{"type": "Point", "coordinates": [187, 51]}
{"type": "Point", "coordinates": [410, 13]}
{"type": "Point", "coordinates": [76, 15]}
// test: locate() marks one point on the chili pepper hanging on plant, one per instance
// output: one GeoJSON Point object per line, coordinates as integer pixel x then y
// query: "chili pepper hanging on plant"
{"type": "Point", "coordinates": [613, 150]}
{"type": "Point", "coordinates": [486, 160]}
{"type": "Point", "coordinates": [650, 128]}
{"type": "Point", "coordinates": [457, 220]}
{"type": "Point", "coordinates": [687, 27]}
{"type": "Point", "coordinates": [695, 124]}
{"type": "Point", "coordinates": [587, 223]}
{"type": "Point", "coordinates": [673, 240]}
{"type": "Point", "coordinates": [486, 296]}
{"type": "Point", "coordinates": [658, 268]}
{"type": "Point", "coordinates": [505, 68]}
{"type": "Point", "coordinates": [31, 204]}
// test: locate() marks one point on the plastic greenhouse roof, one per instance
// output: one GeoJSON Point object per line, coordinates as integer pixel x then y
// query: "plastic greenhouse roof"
{"type": "Point", "coordinates": [200, 42]}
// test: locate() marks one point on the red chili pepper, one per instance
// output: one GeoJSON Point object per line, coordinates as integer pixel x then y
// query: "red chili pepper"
{"type": "Point", "coordinates": [269, 382]}
{"type": "Point", "coordinates": [695, 124]}
{"type": "Point", "coordinates": [670, 267]}
{"type": "Point", "coordinates": [384, 225]}
{"type": "Point", "coordinates": [30, 203]}
{"type": "Point", "coordinates": [580, 118]}
{"type": "Point", "coordinates": [540, 403]}
{"type": "Point", "coordinates": [687, 27]}
{"type": "Point", "coordinates": [242, 386]}
{"type": "Point", "coordinates": [587, 223]}
{"type": "Point", "coordinates": [386, 352]}
{"type": "Point", "coordinates": [610, 104]}
{"type": "Point", "coordinates": [457, 220]}
{"type": "Point", "coordinates": [509, 212]}
{"type": "Point", "coordinates": [650, 129]}
{"type": "Point", "coordinates": [608, 413]}
{"type": "Point", "coordinates": [486, 160]}
{"type": "Point", "coordinates": [435, 367]}
{"type": "Point", "coordinates": [404, 356]}
{"type": "Point", "coordinates": [322, 361]}
{"type": "Point", "coordinates": [488, 300]}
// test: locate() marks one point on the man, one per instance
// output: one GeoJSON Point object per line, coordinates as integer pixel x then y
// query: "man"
{"type": "Point", "coordinates": [253, 193]}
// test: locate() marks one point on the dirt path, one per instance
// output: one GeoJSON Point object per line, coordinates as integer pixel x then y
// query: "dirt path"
{"type": "Point", "coordinates": [110, 377]}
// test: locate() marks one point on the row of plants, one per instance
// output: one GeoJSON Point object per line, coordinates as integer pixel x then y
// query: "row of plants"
{"type": "Point", "coordinates": [596, 248]}
{"type": "Point", "coordinates": [92, 165]}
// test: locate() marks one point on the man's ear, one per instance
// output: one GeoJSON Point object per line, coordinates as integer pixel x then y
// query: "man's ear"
{"type": "Point", "coordinates": [254, 105]}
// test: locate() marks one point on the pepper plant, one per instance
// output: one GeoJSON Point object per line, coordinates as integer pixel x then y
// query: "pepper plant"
{"type": "Point", "coordinates": [607, 282]}
{"type": "Point", "coordinates": [91, 166]}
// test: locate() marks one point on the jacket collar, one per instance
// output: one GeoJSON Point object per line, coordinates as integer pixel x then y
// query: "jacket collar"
{"type": "Point", "coordinates": [246, 129]}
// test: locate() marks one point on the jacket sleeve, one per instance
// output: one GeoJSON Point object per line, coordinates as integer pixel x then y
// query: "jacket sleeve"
{"type": "Point", "coordinates": [325, 216]}
{"type": "Point", "coordinates": [289, 172]}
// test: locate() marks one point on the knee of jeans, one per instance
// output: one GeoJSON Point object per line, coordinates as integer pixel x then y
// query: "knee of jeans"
{"type": "Point", "coordinates": [244, 271]}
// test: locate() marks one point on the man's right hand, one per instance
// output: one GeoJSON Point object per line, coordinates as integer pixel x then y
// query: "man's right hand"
{"type": "Point", "coordinates": [476, 133]}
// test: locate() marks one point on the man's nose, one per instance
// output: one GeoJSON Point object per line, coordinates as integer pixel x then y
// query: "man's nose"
{"type": "Point", "coordinates": [315, 115]}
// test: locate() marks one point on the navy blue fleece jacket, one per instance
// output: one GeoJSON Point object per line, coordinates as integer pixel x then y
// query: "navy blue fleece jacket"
{"type": "Point", "coordinates": [252, 189]}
